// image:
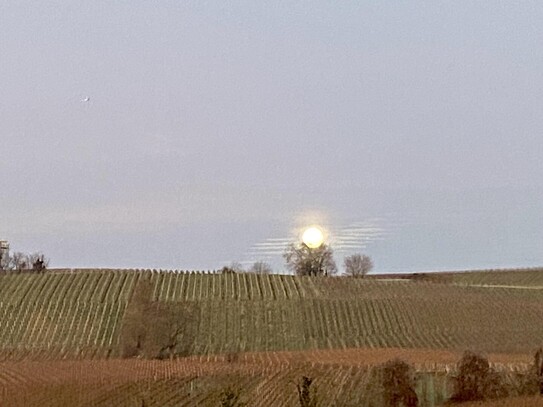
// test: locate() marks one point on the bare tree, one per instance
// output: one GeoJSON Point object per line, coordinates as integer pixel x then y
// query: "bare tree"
{"type": "Point", "coordinates": [234, 267]}
{"type": "Point", "coordinates": [357, 265]}
{"type": "Point", "coordinates": [306, 261]}
{"type": "Point", "coordinates": [157, 330]}
{"type": "Point", "coordinates": [306, 394]}
{"type": "Point", "coordinates": [261, 267]}
{"type": "Point", "coordinates": [4, 255]}
{"type": "Point", "coordinates": [5, 261]}
{"type": "Point", "coordinates": [398, 383]}
{"type": "Point", "coordinates": [38, 262]}
{"type": "Point", "coordinates": [476, 380]}
{"type": "Point", "coordinates": [134, 330]}
{"type": "Point", "coordinates": [20, 261]}
{"type": "Point", "coordinates": [173, 329]}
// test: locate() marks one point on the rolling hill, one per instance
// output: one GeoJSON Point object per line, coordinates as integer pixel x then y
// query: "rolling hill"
{"type": "Point", "coordinates": [77, 314]}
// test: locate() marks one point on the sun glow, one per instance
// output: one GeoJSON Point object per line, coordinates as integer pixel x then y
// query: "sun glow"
{"type": "Point", "coordinates": [313, 237]}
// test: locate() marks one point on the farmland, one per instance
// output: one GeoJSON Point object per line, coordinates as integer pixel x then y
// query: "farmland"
{"type": "Point", "coordinates": [264, 378]}
{"type": "Point", "coordinates": [518, 278]}
{"type": "Point", "coordinates": [59, 333]}
{"type": "Point", "coordinates": [78, 314]}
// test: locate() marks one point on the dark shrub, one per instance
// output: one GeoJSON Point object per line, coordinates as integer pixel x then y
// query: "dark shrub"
{"type": "Point", "coordinates": [476, 380]}
{"type": "Point", "coordinates": [306, 396]}
{"type": "Point", "coordinates": [151, 329]}
{"type": "Point", "coordinates": [230, 397]}
{"type": "Point", "coordinates": [398, 383]}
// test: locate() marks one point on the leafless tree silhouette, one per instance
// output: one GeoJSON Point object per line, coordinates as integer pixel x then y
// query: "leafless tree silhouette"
{"type": "Point", "coordinates": [306, 261]}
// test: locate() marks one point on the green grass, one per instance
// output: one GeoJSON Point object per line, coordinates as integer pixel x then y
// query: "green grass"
{"type": "Point", "coordinates": [79, 314]}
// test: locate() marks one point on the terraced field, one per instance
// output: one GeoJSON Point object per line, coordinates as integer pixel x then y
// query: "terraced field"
{"type": "Point", "coordinates": [78, 314]}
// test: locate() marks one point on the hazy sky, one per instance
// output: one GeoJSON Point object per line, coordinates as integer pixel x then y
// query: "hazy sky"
{"type": "Point", "coordinates": [213, 127]}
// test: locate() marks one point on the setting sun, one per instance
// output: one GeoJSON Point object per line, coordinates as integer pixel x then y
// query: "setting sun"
{"type": "Point", "coordinates": [313, 237]}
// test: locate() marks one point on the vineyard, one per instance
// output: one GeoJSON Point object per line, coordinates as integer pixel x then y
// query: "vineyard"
{"type": "Point", "coordinates": [508, 278]}
{"type": "Point", "coordinates": [78, 314]}
{"type": "Point", "coordinates": [129, 383]}
{"type": "Point", "coordinates": [60, 334]}
{"type": "Point", "coordinates": [262, 379]}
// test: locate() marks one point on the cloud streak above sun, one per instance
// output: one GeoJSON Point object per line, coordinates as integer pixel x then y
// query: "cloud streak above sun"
{"type": "Point", "coordinates": [352, 237]}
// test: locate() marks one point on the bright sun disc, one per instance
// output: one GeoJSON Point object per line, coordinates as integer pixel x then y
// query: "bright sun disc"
{"type": "Point", "coordinates": [313, 237]}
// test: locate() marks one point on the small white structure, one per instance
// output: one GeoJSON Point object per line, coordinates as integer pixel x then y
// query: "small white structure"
{"type": "Point", "coordinates": [4, 253]}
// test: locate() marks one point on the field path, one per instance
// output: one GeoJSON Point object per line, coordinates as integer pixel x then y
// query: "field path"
{"type": "Point", "coordinates": [517, 287]}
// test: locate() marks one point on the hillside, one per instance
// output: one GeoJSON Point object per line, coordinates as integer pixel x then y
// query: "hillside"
{"type": "Point", "coordinates": [78, 313]}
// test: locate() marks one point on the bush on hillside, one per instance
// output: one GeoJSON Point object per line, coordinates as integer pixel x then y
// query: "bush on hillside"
{"type": "Point", "coordinates": [476, 380]}
{"type": "Point", "coordinates": [397, 383]}
{"type": "Point", "coordinates": [230, 397]}
{"type": "Point", "coordinates": [528, 383]}
{"type": "Point", "coordinates": [156, 330]}
{"type": "Point", "coordinates": [306, 395]}
{"type": "Point", "coordinates": [232, 268]}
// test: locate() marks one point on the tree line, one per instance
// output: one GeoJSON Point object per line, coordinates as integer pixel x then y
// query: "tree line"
{"type": "Point", "coordinates": [20, 262]}
{"type": "Point", "coordinates": [300, 259]}
{"type": "Point", "coordinates": [303, 260]}
{"type": "Point", "coordinates": [393, 384]}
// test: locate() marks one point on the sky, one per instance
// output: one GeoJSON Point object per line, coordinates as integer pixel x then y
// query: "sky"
{"type": "Point", "coordinates": [214, 131]}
